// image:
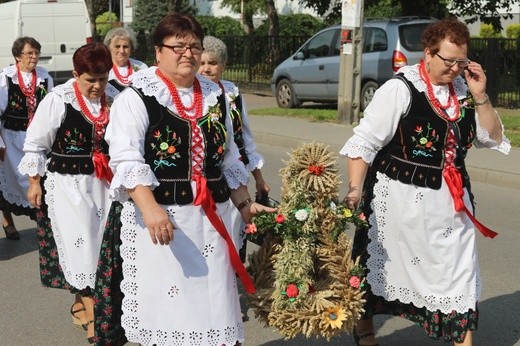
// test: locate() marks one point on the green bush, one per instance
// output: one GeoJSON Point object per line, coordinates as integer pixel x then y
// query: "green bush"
{"type": "Point", "coordinates": [220, 26]}
{"type": "Point", "coordinates": [105, 22]}
{"type": "Point", "coordinates": [487, 31]}
{"type": "Point", "coordinates": [294, 25]}
{"type": "Point", "coordinates": [513, 31]}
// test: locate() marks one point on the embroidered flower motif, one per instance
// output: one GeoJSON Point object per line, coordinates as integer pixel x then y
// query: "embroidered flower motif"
{"type": "Point", "coordinates": [74, 140]}
{"type": "Point", "coordinates": [165, 146]}
{"type": "Point", "coordinates": [301, 215]}
{"type": "Point", "coordinates": [425, 140]}
{"type": "Point", "coordinates": [334, 316]}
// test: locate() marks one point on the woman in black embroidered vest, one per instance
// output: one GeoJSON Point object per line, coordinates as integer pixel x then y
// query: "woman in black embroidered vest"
{"type": "Point", "coordinates": [213, 64]}
{"type": "Point", "coordinates": [22, 87]}
{"type": "Point", "coordinates": [177, 173]}
{"type": "Point", "coordinates": [406, 158]}
{"type": "Point", "coordinates": [65, 144]}
{"type": "Point", "coordinates": [122, 42]}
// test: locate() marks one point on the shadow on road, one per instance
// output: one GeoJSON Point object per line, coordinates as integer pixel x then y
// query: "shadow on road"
{"type": "Point", "coordinates": [499, 324]}
{"type": "Point", "coordinates": [13, 248]}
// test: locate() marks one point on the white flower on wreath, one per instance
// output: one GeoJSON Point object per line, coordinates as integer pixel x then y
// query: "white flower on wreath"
{"type": "Point", "coordinates": [333, 207]}
{"type": "Point", "coordinates": [301, 215]}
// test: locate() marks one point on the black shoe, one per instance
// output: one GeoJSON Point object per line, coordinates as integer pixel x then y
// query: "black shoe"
{"type": "Point", "coordinates": [13, 235]}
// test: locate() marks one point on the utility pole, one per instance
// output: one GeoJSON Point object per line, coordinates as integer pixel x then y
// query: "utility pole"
{"type": "Point", "coordinates": [351, 49]}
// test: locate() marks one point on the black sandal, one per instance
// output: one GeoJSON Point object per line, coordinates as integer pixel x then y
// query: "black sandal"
{"type": "Point", "coordinates": [77, 321]}
{"type": "Point", "coordinates": [13, 235]}
{"type": "Point", "coordinates": [357, 337]}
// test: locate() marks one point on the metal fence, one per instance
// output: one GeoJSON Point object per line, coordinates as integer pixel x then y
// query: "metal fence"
{"type": "Point", "coordinates": [252, 59]}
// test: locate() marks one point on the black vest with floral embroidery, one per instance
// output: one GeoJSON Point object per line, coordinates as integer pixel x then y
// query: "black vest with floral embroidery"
{"type": "Point", "coordinates": [168, 145]}
{"type": "Point", "coordinates": [416, 153]}
{"type": "Point", "coordinates": [236, 118]}
{"type": "Point", "coordinates": [16, 116]}
{"type": "Point", "coordinates": [73, 147]}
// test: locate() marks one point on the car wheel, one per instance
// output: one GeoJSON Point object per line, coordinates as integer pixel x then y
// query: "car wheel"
{"type": "Point", "coordinates": [285, 95]}
{"type": "Point", "coordinates": [367, 93]}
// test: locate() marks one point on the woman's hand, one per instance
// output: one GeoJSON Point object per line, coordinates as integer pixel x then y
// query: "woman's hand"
{"type": "Point", "coordinates": [353, 198]}
{"type": "Point", "coordinates": [476, 80]}
{"type": "Point", "coordinates": [254, 208]}
{"type": "Point", "coordinates": [159, 225]}
{"type": "Point", "coordinates": [34, 193]}
{"type": "Point", "coordinates": [154, 216]}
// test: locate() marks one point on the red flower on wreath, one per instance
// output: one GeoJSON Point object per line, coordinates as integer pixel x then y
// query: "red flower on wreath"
{"type": "Point", "coordinates": [354, 281]}
{"type": "Point", "coordinates": [279, 218]}
{"type": "Point", "coordinates": [292, 291]}
{"type": "Point", "coordinates": [316, 169]}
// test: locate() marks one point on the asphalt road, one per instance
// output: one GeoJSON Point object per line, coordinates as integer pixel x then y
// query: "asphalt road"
{"type": "Point", "coordinates": [32, 315]}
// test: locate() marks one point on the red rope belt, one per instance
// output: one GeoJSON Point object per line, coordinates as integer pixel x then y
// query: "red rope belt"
{"type": "Point", "coordinates": [205, 200]}
{"type": "Point", "coordinates": [454, 180]}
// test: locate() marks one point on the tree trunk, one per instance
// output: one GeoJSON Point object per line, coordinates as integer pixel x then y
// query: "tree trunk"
{"type": "Point", "coordinates": [274, 30]}
{"type": "Point", "coordinates": [92, 16]}
{"type": "Point", "coordinates": [272, 17]}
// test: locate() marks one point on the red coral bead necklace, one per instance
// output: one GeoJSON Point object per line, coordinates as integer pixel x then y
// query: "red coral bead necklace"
{"type": "Point", "coordinates": [181, 109]}
{"type": "Point", "coordinates": [120, 77]}
{"type": "Point", "coordinates": [439, 108]}
{"type": "Point", "coordinates": [27, 91]}
{"type": "Point", "coordinates": [99, 122]}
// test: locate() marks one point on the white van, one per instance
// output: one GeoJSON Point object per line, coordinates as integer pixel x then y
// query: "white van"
{"type": "Point", "coordinates": [60, 26]}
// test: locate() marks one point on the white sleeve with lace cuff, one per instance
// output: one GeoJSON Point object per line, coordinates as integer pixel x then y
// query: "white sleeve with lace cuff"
{"type": "Point", "coordinates": [32, 164]}
{"type": "Point", "coordinates": [128, 175]}
{"type": "Point", "coordinates": [236, 175]}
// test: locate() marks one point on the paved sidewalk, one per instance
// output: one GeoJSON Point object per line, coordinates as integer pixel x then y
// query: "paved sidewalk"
{"type": "Point", "coordinates": [486, 166]}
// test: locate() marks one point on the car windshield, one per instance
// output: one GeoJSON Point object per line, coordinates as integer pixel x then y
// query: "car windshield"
{"type": "Point", "coordinates": [410, 36]}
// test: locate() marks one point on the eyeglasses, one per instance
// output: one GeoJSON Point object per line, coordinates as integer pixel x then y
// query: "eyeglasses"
{"type": "Point", "coordinates": [31, 53]}
{"type": "Point", "coordinates": [181, 49]}
{"type": "Point", "coordinates": [451, 62]}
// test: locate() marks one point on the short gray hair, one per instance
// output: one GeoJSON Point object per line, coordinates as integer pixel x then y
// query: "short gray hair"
{"type": "Point", "coordinates": [213, 45]}
{"type": "Point", "coordinates": [121, 33]}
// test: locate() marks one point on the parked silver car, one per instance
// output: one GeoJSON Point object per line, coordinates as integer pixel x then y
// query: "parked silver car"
{"type": "Point", "coordinates": [312, 73]}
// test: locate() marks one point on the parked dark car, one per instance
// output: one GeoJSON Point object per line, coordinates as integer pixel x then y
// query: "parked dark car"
{"type": "Point", "coordinates": [312, 73]}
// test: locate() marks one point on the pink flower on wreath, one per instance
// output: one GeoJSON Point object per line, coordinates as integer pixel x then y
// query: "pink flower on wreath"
{"type": "Point", "coordinates": [292, 291]}
{"type": "Point", "coordinates": [354, 281]}
{"type": "Point", "coordinates": [362, 217]}
{"type": "Point", "coordinates": [279, 218]}
{"type": "Point", "coordinates": [250, 228]}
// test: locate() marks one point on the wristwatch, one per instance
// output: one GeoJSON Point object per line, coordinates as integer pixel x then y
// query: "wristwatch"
{"type": "Point", "coordinates": [483, 102]}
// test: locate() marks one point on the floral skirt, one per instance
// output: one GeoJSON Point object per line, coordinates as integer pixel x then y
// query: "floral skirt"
{"type": "Point", "coordinates": [51, 274]}
{"type": "Point", "coordinates": [107, 293]}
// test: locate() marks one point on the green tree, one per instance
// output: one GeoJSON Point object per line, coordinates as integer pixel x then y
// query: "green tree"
{"type": "Point", "coordinates": [105, 22]}
{"type": "Point", "coordinates": [220, 26]}
{"type": "Point", "coordinates": [149, 12]}
{"type": "Point", "coordinates": [294, 25]}
{"type": "Point", "coordinates": [250, 7]}
{"type": "Point", "coordinates": [486, 11]}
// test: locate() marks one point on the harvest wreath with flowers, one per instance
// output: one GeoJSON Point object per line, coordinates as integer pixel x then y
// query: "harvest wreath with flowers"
{"type": "Point", "coordinates": [307, 283]}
